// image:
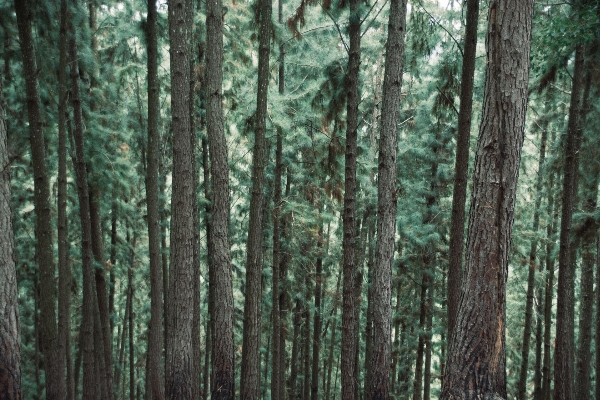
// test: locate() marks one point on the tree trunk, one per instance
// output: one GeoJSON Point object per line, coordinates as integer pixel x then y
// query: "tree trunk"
{"type": "Point", "coordinates": [537, 375]}
{"type": "Point", "coordinates": [563, 356]}
{"type": "Point", "coordinates": [428, 343]}
{"type": "Point", "coordinates": [250, 385]}
{"type": "Point", "coordinates": [91, 382]}
{"type": "Point", "coordinates": [10, 330]}
{"type": "Point", "coordinates": [418, 382]}
{"type": "Point", "coordinates": [379, 386]}
{"type": "Point", "coordinates": [54, 365]}
{"type": "Point", "coordinates": [349, 314]}
{"type": "Point", "coordinates": [306, 347]}
{"type": "Point", "coordinates": [461, 167]}
{"type": "Point", "coordinates": [476, 366]}
{"type": "Point", "coordinates": [222, 318]}
{"type": "Point", "coordinates": [295, 350]}
{"type": "Point", "coordinates": [316, 342]}
{"type": "Point", "coordinates": [130, 289]}
{"type": "Point", "coordinates": [180, 364]}
{"type": "Point", "coordinates": [532, 268]}
{"type": "Point", "coordinates": [154, 355]}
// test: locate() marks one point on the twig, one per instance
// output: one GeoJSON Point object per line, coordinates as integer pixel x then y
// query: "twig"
{"type": "Point", "coordinates": [444, 28]}
{"type": "Point", "coordinates": [451, 103]}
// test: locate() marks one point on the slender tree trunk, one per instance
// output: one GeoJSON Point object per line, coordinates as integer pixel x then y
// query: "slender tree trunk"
{"type": "Point", "coordinates": [222, 314]}
{"type": "Point", "coordinates": [563, 356]}
{"type": "Point", "coordinates": [295, 350]}
{"type": "Point", "coordinates": [418, 382]}
{"type": "Point", "coordinates": [54, 365]}
{"type": "Point", "coordinates": [597, 314]}
{"type": "Point", "coordinates": [91, 382]}
{"type": "Point", "coordinates": [532, 268]}
{"type": "Point", "coordinates": [459, 193]}
{"type": "Point", "coordinates": [306, 348]}
{"type": "Point", "coordinates": [332, 338]}
{"type": "Point", "coordinates": [428, 343]}
{"type": "Point", "coordinates": [10, 330]}
{"type": "Point", "coordinates": [316, 342]}
{"type": "Point", "coordinates": [379, 386]}
{"type": "Point", "coordinates": [154, 354]}
{"type": "Point", "coordinates": [349, 314]}
{"type": "Point", "coordinates": [64, 269]}
{"type": "Point", "coordinates": [120, 368]}
{"type": "Point", "coordinates": [396, 343]}
{"type": "Point", "coordinates": [180, 364]}
{"type": "Point", "coordinates": [250, 385]}
{"type": "Point", "coordinates": [476, 366]}
{"type": "Point", "coordinates": [284, 298]}
{"type": "Point", "coordinates": [130, 290]}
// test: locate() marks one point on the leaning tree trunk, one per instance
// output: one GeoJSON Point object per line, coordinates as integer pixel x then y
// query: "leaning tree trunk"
{"type": "Point", "coordinates": [532, 269]}
{"type": "Point", "coordinates": [154, 354]}
{"type": "Point", "coordinates": [250, 385]}
{"type": "Point", "coordinates": [476, 366]}
{"type": "Point", "coordinates": [10, 331]}
{"type": "Point", "coordinates": [379, 386]}
{"type": "Point", "coordinates": [222, 317]}
{"type": "Point", "coordinates": [54, 365]}
{"type": "Point", "coordinates": [459, 194]}
{"type": "Point", "coordinates": [349, 320]}
{"type": "Point", "coordinates": [179, 375]}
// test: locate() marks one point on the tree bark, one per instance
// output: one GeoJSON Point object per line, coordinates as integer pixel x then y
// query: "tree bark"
{"type": "Point", "coordinates": [476, 366]}
{"type": "Point", "coordinates": [180, 364]}
{"type": "Point", "coordinates": [154, 357]}
{"type": "Point", "coordinates": [532, 268]}
{"type": "Point", "coordinates": [349, 314]}
{"type": "Point", "coordinates": [222, 318]}
{"type": "Point", "coordinates": [250, 379]}
{"type": "Point", "coordinates": [54, 365]}
{"type": "Point", "coordinates": [316, 341]}
{"type": "Point", "coordinates": [461, 167]}
{"type": "Point", "coordinates": [379, 386]}
{"type": "Point", "coordinates": [10, 330]}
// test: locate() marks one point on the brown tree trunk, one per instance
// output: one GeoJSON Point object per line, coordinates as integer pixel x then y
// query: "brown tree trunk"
{"type": "Point", "coordinates": [349, 311]}
{"type": "Point", "coordinates": [532, 268]}
{"type": "Point", "coordinates": [461, 167]}
{"type": "Point", "coordinates": [91, 382]}
{"type": "Point", "coordinates": [379, 387]}
{"type": "Point", "coordinates": [293, 392]}
{"type": "Point", "coordinates": [418, 382]}
{"type": "Point", "coordinates": [154, 355]}
{"type": "Point", "coordinates": [250, 379]}
{"type": "Point", "coordinates": [54, 365]}
{"type": "Point", "coordinates": [476, 366]}
{"type": "Point", "coordinates": [222, 316]}
{"type": "Point", "coordinates": [306, 347]}
{"type": "Point", "coordinates": [180, 369]}
{"type": "Point", "coordinates": [563, 356]}
{"type": "Point", "coordinates": [10, 330]}
{"type": "Point", "coordinates": [130, 290]}
{"type": "Point", "coordinates": [316, 341]}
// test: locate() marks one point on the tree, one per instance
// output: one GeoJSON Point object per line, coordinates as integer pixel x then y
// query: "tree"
{"type": "Point", "coordinates": [478, 371]}
{"type": "Point", "coordinates": [155, 370]}
{"type": "Point", "coordinates": [222, 318]}
{"type": "Point", "coordinates": [54, 365]}
{"type": "Point", "coordinates": [10, 330]}
{"type": "Point", "coordinates": [386, 203]}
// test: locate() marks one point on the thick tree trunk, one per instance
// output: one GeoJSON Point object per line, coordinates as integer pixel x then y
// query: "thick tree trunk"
{"type": "Point", "coordinates": [154, 354]}
{"type": "Point", "coordinates": [476, 366]}
{"type": "Point", "coordinates": [10, 330]}
{"type": "Point", "coordinates": [459, 193]}
{"type": "Point", "coordinates": [532, 268]}
{"type": "Point", "coordinates": [250, 385]}
{"type": "Point", "coordinates": [91, 382]}
{"type": "Point", "coordinates": [222, 317]}
{"type": "Point", "coordinates": [349, 314]}
{"type": "Point", "coordinates": [180, 369]}
{"type": "Point", "coordinates": [379, 386]}
{"type": "Point", "coordinates": [563, 356]}
{"type": "Point", "coordinates": [54, 365]}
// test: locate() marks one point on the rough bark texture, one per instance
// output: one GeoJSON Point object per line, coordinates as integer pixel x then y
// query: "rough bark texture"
{"type": "Point", "coordinates": [10, 331]}
{"type": "Point", "coordinates": [476, 367]}
{"type": "Point", "coordinates": [349, 314]}
{"type": "Point", "coordinates": [53, 364]}
{"type": "Point", "coordinates": [532, 268]}
{"type": "Point", "coordinates": [222, 317]}
{"type": "Point", "coordinates": [379, 386]}
{"type": "Point", "coordinates": [250, 379]}
{"type": "Point", "coordinates": [89, 309]}
{"type": "Point", "coordinates": [154, 355]}
{"type": "Point", "coordinates": [564, 353]}
{"type": "Point", "coordinates": [179, 373]}
{"type": "Point", "coordinates": [459, 194]}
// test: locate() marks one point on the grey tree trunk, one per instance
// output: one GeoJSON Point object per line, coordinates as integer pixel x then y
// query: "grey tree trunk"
{"type": "Point", "coordinates": [10, 330]}
{"type": "Point", "coordinates": [379, 387]}
{"type": "Point", "coordinates": [222, 317]}
{"type": "Point", "coordinates": [54, 365]}
{"type": "Point", "coordinates": [476, 366]}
